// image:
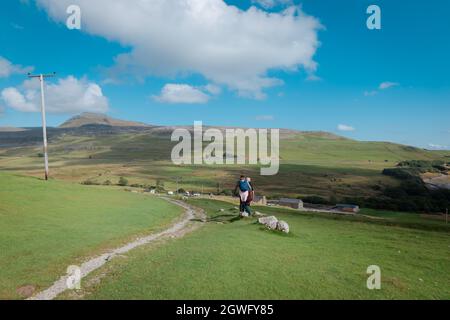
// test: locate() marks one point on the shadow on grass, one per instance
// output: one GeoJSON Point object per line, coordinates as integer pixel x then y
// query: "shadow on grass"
{"type": "Point", "coordinates": [226, 218]}
{"type": "Point", "coordinates": [219, 218]}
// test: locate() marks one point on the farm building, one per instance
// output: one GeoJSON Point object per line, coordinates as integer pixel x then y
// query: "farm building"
{"type": "Point", "coordinates": [347, 208]}
{"type": "Point", "coordinates": [293, 203]}
{"type": "Point", "coordinates": [151, 191]}
{"type": "Point", "coordinates": [260, 200]}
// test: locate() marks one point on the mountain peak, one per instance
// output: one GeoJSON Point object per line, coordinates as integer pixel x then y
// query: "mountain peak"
{"type": "Point", "coordinates": [90, 118]}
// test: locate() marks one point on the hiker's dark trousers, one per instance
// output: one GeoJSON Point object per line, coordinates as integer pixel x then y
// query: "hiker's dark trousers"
{"type": "Point", "coordinates": [244, 206]}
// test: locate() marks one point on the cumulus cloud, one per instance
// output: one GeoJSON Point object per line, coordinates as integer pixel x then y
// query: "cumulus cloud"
{"type": "Point", "coordinates": [344, 127]}
{"type": "Point", "coordinates": [181, 93]}
{"type": "Point", "coordinates": [68, 95]}
{"type": "Point", "coordinates": [213, 89]}
{"type": "Point", "coordinates": [225, 44]}
{"type": "Point", "coordinates": [17, 100]}
{"type": "Point", "coordinates": [7, 68]}
{"type": "Point", "coordinates": [387, 85]}
{"type": "Point", "coordinates": [272, 3]}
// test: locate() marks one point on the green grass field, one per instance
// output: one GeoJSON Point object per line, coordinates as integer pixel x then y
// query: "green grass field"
{"type": "Point", "coordinates": [324, 257]}
{"type": "Point", "coordinates": [46, 226]}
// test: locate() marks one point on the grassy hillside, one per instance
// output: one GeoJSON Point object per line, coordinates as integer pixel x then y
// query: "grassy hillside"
{"type": "Point", "coordinates": [317, 150]}
{"type": "Point", "coordinates": [312, 163]}
{"type": "Point", "coordinates": [46, 226]}
{"type": "Point", "coordinates": [324, 257]}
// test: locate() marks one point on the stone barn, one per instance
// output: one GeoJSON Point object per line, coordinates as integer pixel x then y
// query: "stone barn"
{"type": "Point", "coordinates": [351, 208]}
{"type": "Point", "coordinates": [260, 200]}
{"type": "Point", "coordinates": [292, 203]}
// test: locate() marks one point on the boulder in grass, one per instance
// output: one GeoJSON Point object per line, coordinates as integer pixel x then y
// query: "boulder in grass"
{"type": "Point", "coordinates": [270, 222]}
{"type": "Point", "coordinates": [264, 220]}
{"type": "Point", "coordinates": [272, 225]}
{"type": "Point", "coordinates": [283, 226]}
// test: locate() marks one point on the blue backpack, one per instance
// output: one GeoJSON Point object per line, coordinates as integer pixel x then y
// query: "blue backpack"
{"type": "Point", "coordinates": [243, 185]}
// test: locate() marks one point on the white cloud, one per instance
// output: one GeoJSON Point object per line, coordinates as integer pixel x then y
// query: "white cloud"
{"type": "Point", "coordinates": [181, 93]}
{"type": "Point", "coordinates": [17, 26]}
{"type": "Point", "coordinates": [344, 127]}
{"type": "Point", "coordinates": [14, 99]}
{"type": "Point", "coordinates": [7, 68]}
{"type": "Point", "coordinates": [225, 44]}
{"type": "Point", "coordinates": [68, 95]}
{"type": "Point", "coordinates": [265, 118]}
{"type": "Point", "coordinates": [433, 146]}
{"type": "Point", "coordinates": [313, 77]}
{"type": "Point", "coordinates": [370, 93]}
{"type": "Point", "coordinates": [387, 85]}
{"type": "Point", "coordinates": [212, 89]}
{"type": "Point", "coordinates": [383, 86]}
{"type": "Point", "coordinates": [272, 3]}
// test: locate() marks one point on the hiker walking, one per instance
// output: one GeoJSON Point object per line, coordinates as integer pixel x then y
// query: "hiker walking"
{"type": "Point", "coordinates": [243, 189]}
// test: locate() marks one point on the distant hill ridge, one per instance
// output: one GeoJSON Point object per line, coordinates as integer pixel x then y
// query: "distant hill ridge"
{"type": "Point", "coordinates": [88, 118]}
{"type": "Point", "coordinates": [97, 119]}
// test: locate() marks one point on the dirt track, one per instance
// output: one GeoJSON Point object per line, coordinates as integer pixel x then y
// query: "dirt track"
{"type": "Point", "coordinates": [176, 230]}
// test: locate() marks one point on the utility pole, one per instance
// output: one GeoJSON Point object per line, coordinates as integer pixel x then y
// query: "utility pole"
{"type": "Point", "coordinates": [44, 124]}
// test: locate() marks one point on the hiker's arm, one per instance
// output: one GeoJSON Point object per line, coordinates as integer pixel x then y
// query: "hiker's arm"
{"type": "Point", "coordinates": [236, 192]}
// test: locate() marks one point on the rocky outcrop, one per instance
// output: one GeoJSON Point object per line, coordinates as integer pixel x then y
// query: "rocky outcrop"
{"type": "Point", "coordinates": [272, 223]}
{"type": "Point", "coordinates": [283, 226]}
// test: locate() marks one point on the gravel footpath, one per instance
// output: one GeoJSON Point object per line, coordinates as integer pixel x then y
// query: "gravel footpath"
{"type": "Point", "coordinates": [176, 230]}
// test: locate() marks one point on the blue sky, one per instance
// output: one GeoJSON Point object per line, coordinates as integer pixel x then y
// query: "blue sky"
{"type": "Point", "coordinates": [343, 94]}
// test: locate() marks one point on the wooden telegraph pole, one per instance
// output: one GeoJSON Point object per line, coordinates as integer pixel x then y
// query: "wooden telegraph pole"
{"type": "Point", "coordinates": [44, 124]}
